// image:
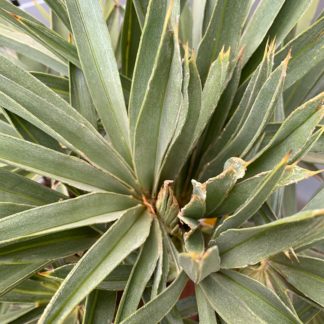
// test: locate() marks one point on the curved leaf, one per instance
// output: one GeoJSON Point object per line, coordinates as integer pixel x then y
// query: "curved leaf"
{"type": "Point", "coordinates": [152, 34]}
{"type": "Point", "coordinates": [26, 45]}
{"type": "Point", "coordinates": [18, 189]}
{"type": "Point", "coordinates": [258, 26]}
{"type": "Point", "coordinates": [223, 31]}
{"type": "Point", "coordinates": [141, 274]}
{"type": "Point", "coordinates": [13, 274]}
{"type": "Point", "coordinates": [48, 247]}
{"type": "Point", "coordinates": [238, 298]}
{"type": "Point", "coordinates": [100, 70]}
{"type": "Point", "coordinates": [126, 235]}
{"type": "Point", "coordinates": [29, 98]}
{"type": "Point", "coordinates": [85, 210]}
{"type": "Point", "coordinates": [306, 274]}
{"type": "Point", "coordinates": [256, 199]}
{"type": "Point", "coordinates": [306, 51]}
{"type": "Point", "coordinates": [160, 306]}
{"type": "Point", "coordinates": [7, 209]}
{"type": "Point", "coordinates": [291, 136]}
{"type": "Point", "coordinates": [60, 166]}
{"type": "Point", "coordinates": [100, 307]}
{"type": "Point", "coordinates": [241, 247]}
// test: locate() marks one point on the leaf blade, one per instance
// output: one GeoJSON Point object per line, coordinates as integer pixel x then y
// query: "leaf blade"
{"type": "Point", "coordinates": [306, 275]}
{"type": "Point", "coordinates": [253, 302]}
{"type": "Point", "coordinates": [122, 238]}
{"type": "Point", "coordinates": [84, 210]}
{"type": "Point", "coordinates": [160, 306]}
{"type": "Point", "coordinates": [258, 25]}
{"type": "Point", "coordinates": [256, 199]}
{"type": "Point", "coordinates": [293, 231]}
{"type": "Point", "coordinates": [221, 33]}
{"type": "Point", "coordinates": [141, 274]}
{"type": "Point", "coordinates": [101, 73]}
{"type": "Point", "coordinates": [59, 166]}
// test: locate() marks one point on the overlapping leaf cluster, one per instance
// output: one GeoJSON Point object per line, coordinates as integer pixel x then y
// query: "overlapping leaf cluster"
{"type": "Point", "coordinates": [147, 146]}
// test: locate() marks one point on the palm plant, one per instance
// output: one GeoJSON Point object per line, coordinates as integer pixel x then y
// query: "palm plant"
{"type": "Point", "coordinates": [149, 160]}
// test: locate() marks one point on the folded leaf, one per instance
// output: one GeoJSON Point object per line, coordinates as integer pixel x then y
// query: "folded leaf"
{"type": "Point", "coordinates": [306, 274]}
{"type": "Point", "coordinates": [100, 70]}
{"type": "Point", "coordinates": [258, 26]}
{"type": "Point", "coordinates": [218, 120]}
{"type": "Point", "coordinates": [152, 34]}
{"type": "Point", "coordinates": [205, 311]}
{"type": "Point", "coordinates": [85, 210]}
{"type": "Point", "coordinates": [182, 145]}
{"type": "Point", "coordinates": [27, 46]}
{"type": "Point", "coordinates": [256, 199]}
{"type": "Point", "coordinates": [217, 188]}
{"type": "Point", "coordinates": [216, 81]}
{"type": "Point", "coordinates": [254, 123]}
{"type": "Point", "coordinates": [141, 274]}
{"type": "Point", "coordinates": [150, 141]}
{"type": "Point", "coordinates": [157, 308]}
{"type": "Point", "coordinates": [18, 189]}
{"type": "Point", "coordinates": [7, 209]}
{"type": "Point", "coordinates": [200, 265]}
{"type": "Point", "coordinates": [196, 207]}
{"type": "Point", "coordinates": [306, 51]}
{"type": "Point", "coordinates": [237, 298]}
{"type": "Point", "coordinates": [221, 33]}
{"type": "Point", "coordinates": [241, 191]}
{"type": "Point", "coordinates": [126, 235]}
{"type": "Point", "coordinates": [60, 166]}
{"type": "Point", "coordinates": [49, 247]}
{"type": "Point", "coordinates": [241, 247]}
{"type": "Point", "coordinates": [247, 95]}
{"type": "Point", "coordinates": [291, 136]}
{"type": "Point", "coordinates": [172, 111]}
{"type": "Point", "coordinates": [100, 307]}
